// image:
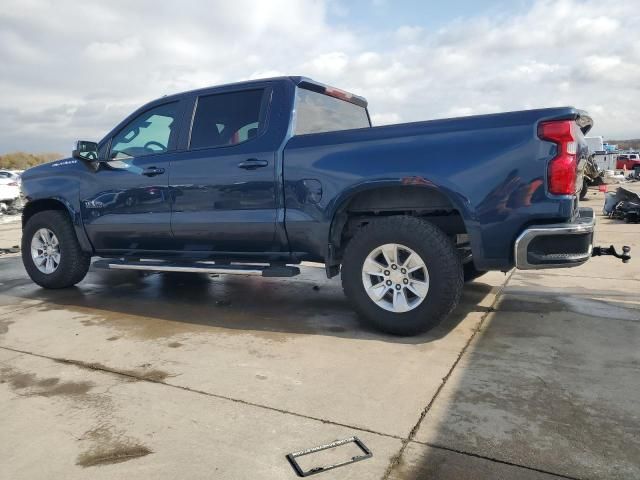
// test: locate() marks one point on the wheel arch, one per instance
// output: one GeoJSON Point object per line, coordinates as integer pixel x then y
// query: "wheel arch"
{"type": "Point", "coordinates": [44, 204]}
{"type": "Point", "coordinates": [413, 196]}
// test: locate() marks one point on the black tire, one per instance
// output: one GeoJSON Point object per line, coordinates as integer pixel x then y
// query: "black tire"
{"type": "Point", "coordinates": [585, 189]}
{"type": "Point", "coordinates": [74, 263]}
{"type": "Point", "coordinates": [471, 273]}
{"type": "Point", "coordinates": [439, 255]}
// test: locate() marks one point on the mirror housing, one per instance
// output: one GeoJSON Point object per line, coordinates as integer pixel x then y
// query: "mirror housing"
{"type": "Point", "coordinates": [85, 150]}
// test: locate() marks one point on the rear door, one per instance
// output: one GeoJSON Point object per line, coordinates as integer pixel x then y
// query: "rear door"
{"type": "Point", "coordinates": [224, 185]}
{"type": "Point", "coordinates": [125, 203]}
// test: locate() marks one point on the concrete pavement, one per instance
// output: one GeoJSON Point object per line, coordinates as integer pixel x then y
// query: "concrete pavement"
{"type": "Point", "coordinates": [9, 231]}
{"type": "Point", "coordinates": [535, 376]}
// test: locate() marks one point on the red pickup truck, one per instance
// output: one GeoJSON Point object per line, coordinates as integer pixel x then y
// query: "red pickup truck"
{"type": "Point", "coordinates": [630, 161]}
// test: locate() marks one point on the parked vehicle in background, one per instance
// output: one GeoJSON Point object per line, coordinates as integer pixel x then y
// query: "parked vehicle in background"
{"type": "Point", "coordinates": [279, 171]}
{"type": "Point", "coordinates": [629, 161]}
{"type": "Point", "coordinates": [10, 199]}
{"type": "Point", "coordinates": [7, 174]}
{"type": "Point", "coordinates": [605, 160]}
{"type": "Point", "coordinates": [595, 144]}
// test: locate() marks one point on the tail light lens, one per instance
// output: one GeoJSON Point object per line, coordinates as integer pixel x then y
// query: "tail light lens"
{"type": "Point", "coordinates": [13, 184]}
{"type": "Point", "coordinates": [562, 170]}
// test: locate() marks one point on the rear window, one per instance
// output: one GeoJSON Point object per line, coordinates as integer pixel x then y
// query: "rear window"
{"type": "Point", "coordinates": [226, 119]}
{"type": "Point", "coordinates": [317, 113]}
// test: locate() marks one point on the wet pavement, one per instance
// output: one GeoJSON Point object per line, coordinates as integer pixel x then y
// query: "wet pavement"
{"type": "Point", "coordinates": [9, 232]}
{"type": "Point", "coordinates": [535, 376]}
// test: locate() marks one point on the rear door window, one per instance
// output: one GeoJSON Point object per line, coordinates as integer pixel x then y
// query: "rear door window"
{"type": "Point", "coordinates": [225, 119]}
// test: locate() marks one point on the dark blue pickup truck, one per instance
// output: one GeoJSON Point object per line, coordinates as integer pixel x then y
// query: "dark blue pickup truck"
{"type": "Point", "coordinates": [253, 178]}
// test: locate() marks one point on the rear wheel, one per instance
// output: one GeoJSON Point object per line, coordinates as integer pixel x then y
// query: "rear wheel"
{"type": "Point", "coordinates": [51, 253]}
{"type": "Point", "coordinates": [402, 275]}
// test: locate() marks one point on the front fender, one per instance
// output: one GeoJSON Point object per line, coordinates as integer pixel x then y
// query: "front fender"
{"type": "Point", "coordinates": [46, 192]}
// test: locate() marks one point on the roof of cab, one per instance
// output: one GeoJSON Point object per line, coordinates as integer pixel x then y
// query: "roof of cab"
{"type": "Point", "coordinates": [296, 79]}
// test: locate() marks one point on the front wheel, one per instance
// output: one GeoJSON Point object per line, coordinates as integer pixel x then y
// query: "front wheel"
{"type": "Point", "coordinates": [402, 274]}
{"type": "Point", "coordinates": [51, 253]}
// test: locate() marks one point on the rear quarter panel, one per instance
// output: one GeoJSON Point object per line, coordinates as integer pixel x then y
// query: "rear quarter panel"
{"type": "Point", "coordinates": [492, 168]}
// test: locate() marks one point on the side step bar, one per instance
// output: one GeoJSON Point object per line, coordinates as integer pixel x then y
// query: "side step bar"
{"type": "Point", "coordinates": [198, 267]}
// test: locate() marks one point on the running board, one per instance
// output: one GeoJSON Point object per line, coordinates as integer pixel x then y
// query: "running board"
{"type": "Point", "coordinates": [198, 267]}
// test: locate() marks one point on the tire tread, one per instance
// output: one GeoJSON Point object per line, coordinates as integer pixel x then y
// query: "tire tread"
{"type": "Point", "coordinates": [74, 261]}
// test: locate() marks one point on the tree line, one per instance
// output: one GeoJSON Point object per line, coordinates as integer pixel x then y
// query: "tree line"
{"type": "Point", "coordinates": [23, 160]}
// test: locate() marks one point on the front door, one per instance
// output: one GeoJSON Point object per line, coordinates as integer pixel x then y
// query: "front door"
{"type": "Point", "coordinates": [223, 185]}
{"type": "Point", "coordinates": [125, 203]}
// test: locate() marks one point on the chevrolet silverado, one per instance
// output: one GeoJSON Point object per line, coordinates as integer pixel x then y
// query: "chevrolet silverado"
{"type": "Point", "coordinates": [254, 178]}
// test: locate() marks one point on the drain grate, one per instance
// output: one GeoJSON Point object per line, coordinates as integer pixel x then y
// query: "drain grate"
{"type": "Point", "coordinates": [349, 450]}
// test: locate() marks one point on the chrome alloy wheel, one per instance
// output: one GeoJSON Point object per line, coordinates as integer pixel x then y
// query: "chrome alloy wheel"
{"type": "Point", "coordinates": [45, 251]}
{"type": "Point", "coordinates": [395, 278]}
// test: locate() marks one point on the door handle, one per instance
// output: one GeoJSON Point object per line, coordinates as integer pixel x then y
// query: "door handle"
{"type": "Point", "coordinates": [152, 171]}
{"type": "Point", "coordinates": [252, 164]}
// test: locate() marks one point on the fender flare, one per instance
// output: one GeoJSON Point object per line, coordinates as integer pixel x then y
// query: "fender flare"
{"type": "Point", "coordinates": [337, 207]}
{"type": "Point", "coordinates": [74, 216]}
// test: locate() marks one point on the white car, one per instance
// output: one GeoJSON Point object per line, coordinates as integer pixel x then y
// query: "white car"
{"type": "Point", "coordinates": [8, 174]}
{"type": "Point", "coordinates": [9, 190]}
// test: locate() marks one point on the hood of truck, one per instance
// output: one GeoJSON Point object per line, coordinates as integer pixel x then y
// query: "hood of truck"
{"type": "Point", "coordinates": [50, 168]}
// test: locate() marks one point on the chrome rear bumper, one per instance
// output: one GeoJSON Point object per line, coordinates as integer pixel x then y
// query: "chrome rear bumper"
{"type": "Point", "coordinates": [559, 245]}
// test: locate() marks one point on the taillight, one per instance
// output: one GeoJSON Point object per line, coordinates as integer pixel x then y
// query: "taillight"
{"type": "Point", "coordinates": [562, 170]}
{"type": "Point", "coordinates": [13, 184]}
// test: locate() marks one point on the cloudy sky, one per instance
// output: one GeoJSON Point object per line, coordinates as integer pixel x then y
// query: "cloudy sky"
{"type": "Point", "coordinates": [73, 69]}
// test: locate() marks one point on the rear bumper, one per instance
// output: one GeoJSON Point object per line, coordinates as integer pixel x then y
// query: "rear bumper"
{"type": "Point", "coordinates": [559, 245]}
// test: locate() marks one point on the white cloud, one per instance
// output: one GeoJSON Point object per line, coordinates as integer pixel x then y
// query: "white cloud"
{"type": "Point", "coordinates": [408, 33]}
{"type": "Point", "coordinates": [66, 77]}
{"type": "Point", "coordinates": [13, 47]}
{"type": "Point", "coordinates": [125, 49]}
{"type": "Point", "coordinates": [330, 64]}
{"type": "Point", "coordinates": [385, 118]}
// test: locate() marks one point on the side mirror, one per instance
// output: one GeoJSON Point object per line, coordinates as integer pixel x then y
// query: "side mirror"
{"type": "Point", "coordinates": [85, 151]}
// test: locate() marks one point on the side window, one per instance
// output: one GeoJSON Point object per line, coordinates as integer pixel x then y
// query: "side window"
{"type": "Point", "coordinates": [148, 133]}
{"type": "Point", "coordinates": [226, 119]}
{"type": "Point", "coordinates": [316, 113]}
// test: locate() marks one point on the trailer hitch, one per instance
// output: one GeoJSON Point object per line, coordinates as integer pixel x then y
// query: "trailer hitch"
{"type": "Point", "coordinates": [624, 256]}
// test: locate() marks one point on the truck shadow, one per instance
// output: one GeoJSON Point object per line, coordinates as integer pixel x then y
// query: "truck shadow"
{"type": "Point", "coordinates": [308, 304]}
